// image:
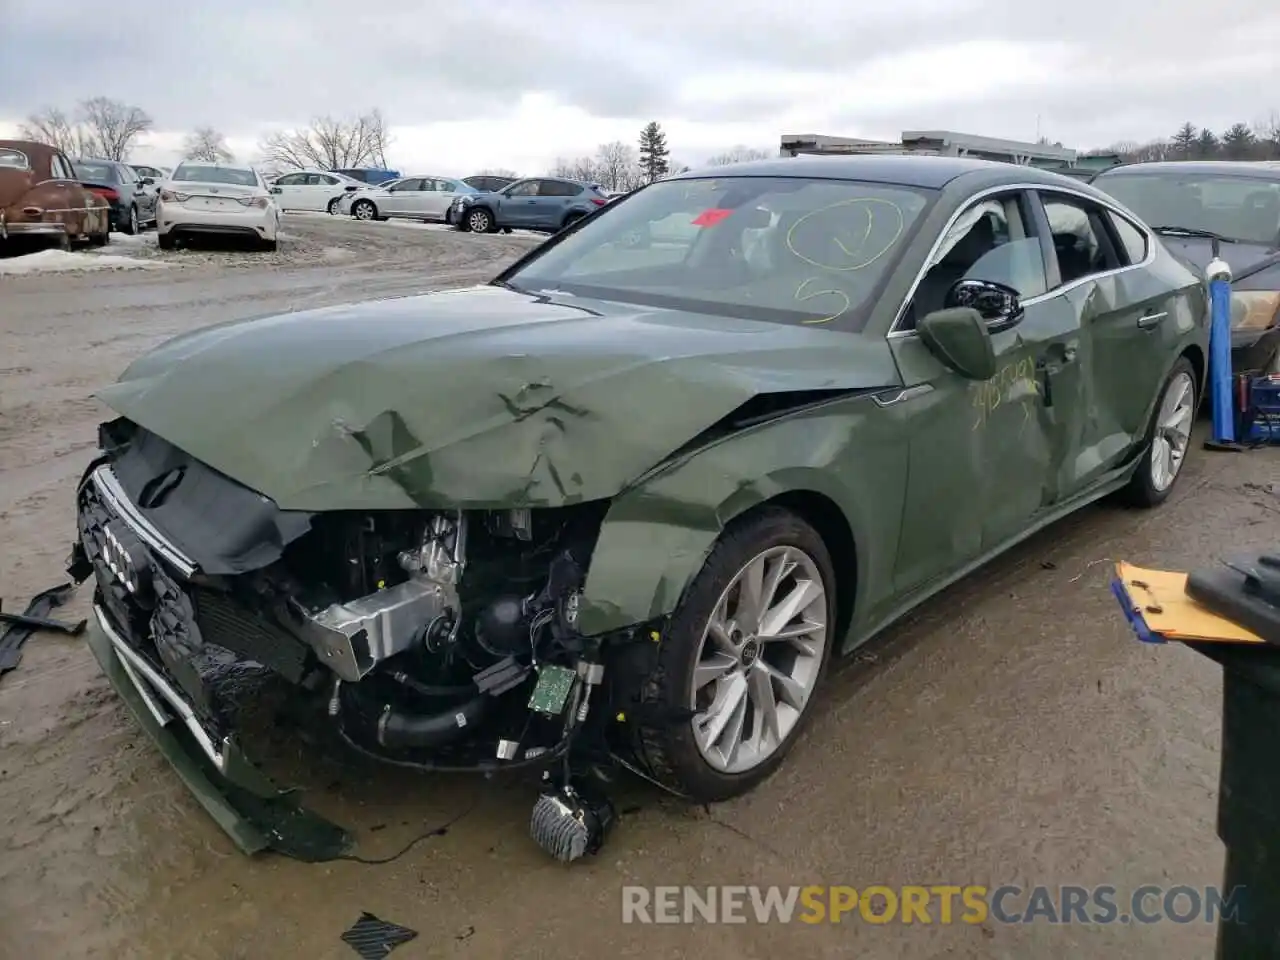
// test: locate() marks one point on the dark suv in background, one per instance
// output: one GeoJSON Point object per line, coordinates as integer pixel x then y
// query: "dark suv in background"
{"type": "Point", "coordinates": [536, 203]}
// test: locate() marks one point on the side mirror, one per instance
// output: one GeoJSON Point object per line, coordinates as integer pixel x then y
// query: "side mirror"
{"type": "Point", "coordinates": [277, 190]}
{"type": "Point", "coordinates": [959, 337]}
{"type": "Point", "coordinates": [148, 181]}
{"type": "Point", "coordinates": [996, 303]}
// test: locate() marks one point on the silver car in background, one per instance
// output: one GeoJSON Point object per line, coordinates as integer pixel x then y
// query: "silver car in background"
{"type": "Point", "coordinates": [421, 197]}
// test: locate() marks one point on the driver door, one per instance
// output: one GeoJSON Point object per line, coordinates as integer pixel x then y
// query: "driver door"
{"type": "Point", "coordinates": [985, 456]}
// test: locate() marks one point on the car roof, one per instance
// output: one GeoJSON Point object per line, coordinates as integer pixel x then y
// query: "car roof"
{"type": "Point", "coordinates": [911, 170]}
{"type": "Point", "coordinates": [1260, 169]}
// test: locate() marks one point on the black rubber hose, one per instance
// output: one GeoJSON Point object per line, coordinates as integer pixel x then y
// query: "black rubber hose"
{"type": "Point", "coordinates": [400, 729]}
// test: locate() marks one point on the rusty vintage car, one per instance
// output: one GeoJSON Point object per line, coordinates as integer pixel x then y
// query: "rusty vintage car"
{"type": "Point", "coordinates": [41, 198]}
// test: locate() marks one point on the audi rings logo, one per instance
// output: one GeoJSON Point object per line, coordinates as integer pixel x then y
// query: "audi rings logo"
{"type": "Point", "coordinates": [126, 557]}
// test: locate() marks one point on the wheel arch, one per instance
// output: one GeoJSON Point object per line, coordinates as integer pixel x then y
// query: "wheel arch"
{"type": "Point", "coordinates": [656, 536]}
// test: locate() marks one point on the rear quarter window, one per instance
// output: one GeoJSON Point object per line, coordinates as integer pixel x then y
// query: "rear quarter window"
{"type": "Point", "coordinates": [13, 160]}
{"type": "Point", "coordinates": [1133, 242]}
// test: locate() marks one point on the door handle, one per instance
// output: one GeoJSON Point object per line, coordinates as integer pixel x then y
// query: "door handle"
{"type": "Point", "coordinates": [1150, 320]}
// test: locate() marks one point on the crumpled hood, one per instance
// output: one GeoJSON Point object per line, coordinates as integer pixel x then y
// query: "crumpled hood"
{"type": "Point", "coordinates": [472, 398]}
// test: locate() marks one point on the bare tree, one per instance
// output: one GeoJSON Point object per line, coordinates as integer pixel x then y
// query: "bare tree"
{"type": "Point", "coordinates": [579, 168]}
{"type": "Point", "coordinates": [617, 166]}
{"type": "Point", "coordinates": [331, 143]}
{"type": "Point", "coordinates": [1267, 131]}
{"type": "Point", "coordinates": [206, 143]}
{"type": "Point", "coordinates": [498, 172]}
{"type": "Point", "coordinates": [738, 154]}
{"type": "Point", "coordinates": [100, 127]}
{"type": "Point", "coordinates": [54, 127]}
{"type": "Point", "coordinates": [114, 126]}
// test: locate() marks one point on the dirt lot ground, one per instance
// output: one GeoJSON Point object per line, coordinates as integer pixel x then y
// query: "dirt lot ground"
{"type": "Point", "coordinates": [1012, 732]}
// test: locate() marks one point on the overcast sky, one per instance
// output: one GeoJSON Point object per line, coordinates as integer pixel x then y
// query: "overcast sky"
{"type": "Point", "coordinates": [517, 83]}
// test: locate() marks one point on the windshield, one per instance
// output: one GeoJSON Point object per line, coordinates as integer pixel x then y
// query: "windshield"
{"type": "Point", "coordinates": [785, 249]}
{"type": "Point", "coordinates": [1239, 208]}
{"type": "Point", "coordinates": [211, 174]}
{"type": "Point", "coordinates": [97, 172]}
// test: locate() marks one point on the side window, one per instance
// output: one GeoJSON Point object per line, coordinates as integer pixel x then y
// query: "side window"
{"type": "Point", "coordinates": [59, 168]}
{"type": "Point", "coordinates": [1079, 237]}
{"type": "Point", "coordinates": [292, 180]}
{"type": "Point", "coordinates": [529, 188]}
{"type": "Point", "coordinates": [328, 181]}
{"type": "Point", "coordinates": [448, 186]}
{"type": "Point", "coordinates": [407, 186]}
{"type": "Point", "coordinates": [1133, 242]}
{"type": "Point", "coordinates": [988, 241]}
{"type": "Point", "coordinates": [558, 188]}
{"type": "Point", "coordinates": [13, 159]}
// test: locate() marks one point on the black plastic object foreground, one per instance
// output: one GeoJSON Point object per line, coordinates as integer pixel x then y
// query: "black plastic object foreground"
{"type": "Point", "coordinates": [372, 938]}
{"type": "Point", "coordinates": [1245, 589]}
{"type": "Point", "coordinates": [17, 634]}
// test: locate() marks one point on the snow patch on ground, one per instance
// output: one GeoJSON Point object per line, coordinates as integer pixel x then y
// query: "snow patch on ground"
{"type": "Point", "coordinates": [60, 261]}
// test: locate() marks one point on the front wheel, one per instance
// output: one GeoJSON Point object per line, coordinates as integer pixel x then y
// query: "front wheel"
{"type": "Point", "coordinates": [364, 210]}
{"type": "Point", "coordinates": [480, 220]}
{"type": "Point", "coordinates": [131, 224]}
{"type": "Point", "coordinates": [333, 207]}
{"type": "Point", "coordinates": [1168, 439]}
{"type": "Point", "coordinates": [166, 241]}
{"type": "Point", "coordinates": [744, 653]}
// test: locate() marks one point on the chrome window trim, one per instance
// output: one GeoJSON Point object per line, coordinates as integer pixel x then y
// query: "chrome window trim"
{"type": "Point", "coordinates": [897, 334]}
{"type": "Point", "coordinates": [25, 159]}
{"type": "Point", "coordinates": [109, 487]}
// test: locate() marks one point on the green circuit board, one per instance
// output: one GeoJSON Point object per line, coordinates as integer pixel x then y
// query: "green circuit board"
{"type": "Point", "coordinates": [552, 690]}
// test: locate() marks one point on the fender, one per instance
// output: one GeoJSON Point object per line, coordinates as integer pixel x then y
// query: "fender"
{"type": "Point", "coordinates": [658, 532]}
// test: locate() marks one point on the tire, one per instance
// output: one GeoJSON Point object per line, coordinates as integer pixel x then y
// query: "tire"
{"type": "Point", "coordinates": [166, 241]}
{"type": "Point", "coordinates": [100, 239]}
{"type": "Point", "coordinates": [333, 207]}
{"type": "Point", "coordinates": [480, 220]}
{"type": "Point", "coordinates": [1170, 427]}
{"type": "Point", "coordinates": [271, 246]}
{"type": "Point", "coordinates": [130, 225]}
{"type": "Point", "coordinates": [364, 210]}
{"type": "Point", "coordinates": [671, 751]}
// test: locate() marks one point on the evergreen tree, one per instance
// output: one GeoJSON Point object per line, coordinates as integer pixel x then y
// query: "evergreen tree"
{"type": "Point", "coordinates": [1206, 145]}
{"type": "Point", "coordinates": [1238, 142]}
{"type": "Point", "coordinates": [653, 152]}
{"type": "Point", "coordinates": [1184, 141]}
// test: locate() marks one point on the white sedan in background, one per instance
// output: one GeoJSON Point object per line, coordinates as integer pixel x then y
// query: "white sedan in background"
{"type": "Point", "coordinates": [216, 199]}
{"type": "Point", "coordinates": [318, 190]}
{"type": "Point", "coordinates": [415, 198]}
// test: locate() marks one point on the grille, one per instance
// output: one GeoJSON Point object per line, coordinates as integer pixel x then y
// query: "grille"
{"type": "Point", "coordinates": [231, 625]}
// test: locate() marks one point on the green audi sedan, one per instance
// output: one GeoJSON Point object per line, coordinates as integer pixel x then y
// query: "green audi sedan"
{"type": "Point", "coordinates": [624, 503]}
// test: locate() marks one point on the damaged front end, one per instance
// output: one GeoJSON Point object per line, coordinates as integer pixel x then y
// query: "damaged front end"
{"type": "Point", "coordinates": [431, 639]}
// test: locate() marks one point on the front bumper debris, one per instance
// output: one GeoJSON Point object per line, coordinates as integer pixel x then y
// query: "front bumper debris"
{"type": "Point", "coordinates": [250, 808]}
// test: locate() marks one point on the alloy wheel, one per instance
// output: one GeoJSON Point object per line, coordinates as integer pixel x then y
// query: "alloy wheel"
{"type": "Point", "coordinates": [759, 659]}
{"type": "Point", "coordinates": [364, 210]}
{"type": "Point", "coordinates": [1173, 431]}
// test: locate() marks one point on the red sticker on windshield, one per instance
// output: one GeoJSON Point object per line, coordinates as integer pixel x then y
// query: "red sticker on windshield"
{"type": "Point", "coordinates": [709, 218]}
